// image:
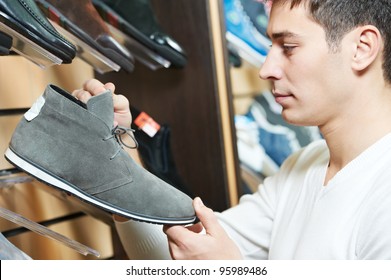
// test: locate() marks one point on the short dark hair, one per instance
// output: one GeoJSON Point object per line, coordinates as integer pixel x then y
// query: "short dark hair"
{"type": "Point", "coordinates": [338, 17]}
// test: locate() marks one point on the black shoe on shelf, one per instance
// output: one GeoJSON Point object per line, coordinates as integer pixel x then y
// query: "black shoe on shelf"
{"type": "Point", "coordinates": [81, 19]}
{"type": "Point", "coordinates": [136, 19]}
{"type": "Point", "coordinates": [5, 43]}
{"type": "Point", "coordinates": [25, 18]}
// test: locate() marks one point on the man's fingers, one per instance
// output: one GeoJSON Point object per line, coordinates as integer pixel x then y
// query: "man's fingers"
{"type": "Point", "coordinates": [175, 251]}
{"type": "Point", "coordinates": [196, 228]}
{"type": "Point", "coordinates": [110, 86]}
{"type": "Point", "coordinates": [176, 233]}
{"type": "Point", "coordinates": [121, 103]}
{"type": "Point", "coordinates": [82, 95]}
{"type": "Point", "coordinates": [208, 221]}
{"type": "Point", "coordinates": [207, 217]}
{"type": "Point", "coordinates": [91, 88]}
{"type": "Point", "coordinates": [94, 86]}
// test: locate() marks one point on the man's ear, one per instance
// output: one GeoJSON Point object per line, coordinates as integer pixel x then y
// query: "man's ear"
{"type": "Point", "coordinates": [368, 45]}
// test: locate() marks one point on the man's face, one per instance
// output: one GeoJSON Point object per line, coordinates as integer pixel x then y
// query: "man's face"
{"type": "Point", "coordinates": [308, 79]}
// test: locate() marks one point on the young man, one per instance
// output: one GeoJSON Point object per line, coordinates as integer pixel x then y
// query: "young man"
{"type": "Point", "coordinates": [330, 64]}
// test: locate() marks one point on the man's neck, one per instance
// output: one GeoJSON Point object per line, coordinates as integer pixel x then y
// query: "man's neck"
{"type": "Point", "coordinates": [351, 134]}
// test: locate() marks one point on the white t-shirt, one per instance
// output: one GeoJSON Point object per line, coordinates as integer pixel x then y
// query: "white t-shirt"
{"type": "Point", "coordinates": [294, 216]}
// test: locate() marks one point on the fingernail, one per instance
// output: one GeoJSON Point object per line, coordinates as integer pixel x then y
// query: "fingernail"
{"type": "Point", "coordinates": [199, 201]}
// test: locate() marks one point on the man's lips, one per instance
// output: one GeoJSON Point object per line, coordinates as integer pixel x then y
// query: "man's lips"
{"type": "Point", "coordinates": [281, 97]}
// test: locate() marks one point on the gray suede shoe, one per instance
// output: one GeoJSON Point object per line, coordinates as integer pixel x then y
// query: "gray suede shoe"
{"type": "Point", "coordinates": [73, 146]}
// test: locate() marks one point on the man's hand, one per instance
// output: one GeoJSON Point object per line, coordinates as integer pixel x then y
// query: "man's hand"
{"type": "Point", "coordinates": [190, 243]}
{"type": "Point", "coordinates": [122, 115]}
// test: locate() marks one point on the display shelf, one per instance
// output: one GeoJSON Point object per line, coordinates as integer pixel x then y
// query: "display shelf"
{"type": "Point", "coordinates": [29, 49]}
{"type": "Point", "coordinates": [98, 61]}
{"type": "Point", "coordinates": [42, 230]}
{"type": "Point", "coordinates": [146, 56]}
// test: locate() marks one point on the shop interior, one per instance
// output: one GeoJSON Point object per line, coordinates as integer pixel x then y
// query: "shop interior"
{"type": "Point", "coordinates": [213, 104]}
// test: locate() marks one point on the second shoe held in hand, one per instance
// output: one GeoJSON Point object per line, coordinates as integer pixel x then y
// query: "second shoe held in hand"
{"type": "Point", "coordinates": [74, 147]}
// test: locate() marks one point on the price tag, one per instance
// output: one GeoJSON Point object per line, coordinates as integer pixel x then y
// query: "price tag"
{"type": "Point", "coordinates": [147, 124]}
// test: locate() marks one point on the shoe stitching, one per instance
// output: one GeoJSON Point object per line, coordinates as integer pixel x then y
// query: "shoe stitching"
{"type": "Point", "coordinates": [44, 24]}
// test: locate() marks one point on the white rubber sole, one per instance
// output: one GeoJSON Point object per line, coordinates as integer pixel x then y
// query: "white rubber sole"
{"type": "Point", "coordinates": [60, 184]}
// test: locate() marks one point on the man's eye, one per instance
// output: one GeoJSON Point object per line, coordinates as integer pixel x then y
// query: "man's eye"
{"type": "Point", "coordinates": [288, 48]}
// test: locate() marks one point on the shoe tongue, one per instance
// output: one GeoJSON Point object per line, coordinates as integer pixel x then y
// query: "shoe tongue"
{"type": "Point", "coordinates": [102, 107]}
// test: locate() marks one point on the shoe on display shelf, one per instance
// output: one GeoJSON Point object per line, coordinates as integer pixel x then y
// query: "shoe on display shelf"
{"type": "Point", "coordinates": [250, 151]}
{"type": "Point", "coordinates": [278, 141]}
{"type": "Point", "coordinates": [33, 35]}
{"type": "Point", "coordinates": [136, 19]}
{"type": "Point", "coordinates": [5, 43]}
{"type": "Point", "coordinates": [257, 12]}
{"type": "Point", "coordinates": [241, 33]}
{"type": "Point", "coordinates": [81, 19]}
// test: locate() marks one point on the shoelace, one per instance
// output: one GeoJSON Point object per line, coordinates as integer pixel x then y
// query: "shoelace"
{"type": "Point", "coordinates": [117, 133]}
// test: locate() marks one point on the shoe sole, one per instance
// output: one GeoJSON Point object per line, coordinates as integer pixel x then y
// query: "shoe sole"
{"type": "Point", "coordinates": [56, 182]}
{"type": "Point", "coordinates": [69, 26]}
{"type": "Point", "coordinates": [177, 59]}
{"type": "Point", "coordinates": [35, 38]}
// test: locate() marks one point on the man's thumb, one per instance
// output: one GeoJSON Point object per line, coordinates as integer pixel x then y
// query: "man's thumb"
{"type": "Point", "coordinates": [206, 217]}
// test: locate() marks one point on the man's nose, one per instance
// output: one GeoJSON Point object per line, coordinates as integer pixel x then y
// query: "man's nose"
{"type": "Point", "coordinates": [270, 69]}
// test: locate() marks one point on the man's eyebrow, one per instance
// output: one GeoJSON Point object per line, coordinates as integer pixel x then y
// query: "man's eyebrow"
{"type": "Point", "coordinates": [283, 34]}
